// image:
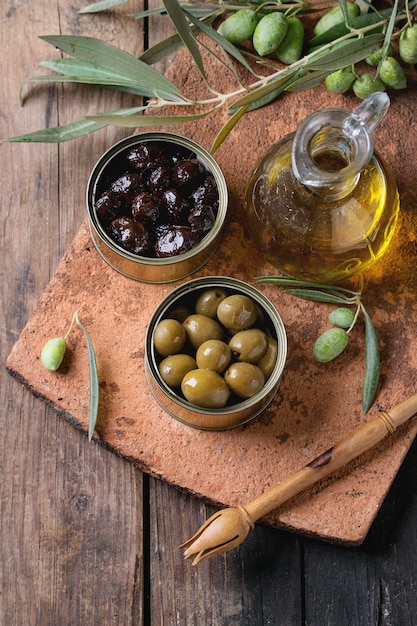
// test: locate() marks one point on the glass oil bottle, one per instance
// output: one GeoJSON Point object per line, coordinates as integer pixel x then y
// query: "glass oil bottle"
{"type": "Point", "coordinates": [321, 204]}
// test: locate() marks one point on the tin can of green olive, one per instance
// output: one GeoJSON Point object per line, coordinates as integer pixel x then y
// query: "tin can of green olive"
{"type": "Point", "coordinates": [179, 305]}
{"type": "Point", "coordinates": [147, 266]}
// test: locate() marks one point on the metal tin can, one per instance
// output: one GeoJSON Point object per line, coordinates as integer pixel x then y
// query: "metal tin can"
{"type": "Point", "coordinates": [241, 411]}
{"type": "Point", "coordinates": [141, 268]}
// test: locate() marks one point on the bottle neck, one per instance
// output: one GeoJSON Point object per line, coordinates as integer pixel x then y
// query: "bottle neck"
{"type": "Point", "coordinates": [327, 160]}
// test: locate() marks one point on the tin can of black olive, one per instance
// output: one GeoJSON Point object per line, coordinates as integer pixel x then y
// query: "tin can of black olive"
{"type": "Point", "coordinates": [147, 266]}
{"type": "Point", "coordinates": [181, 303]}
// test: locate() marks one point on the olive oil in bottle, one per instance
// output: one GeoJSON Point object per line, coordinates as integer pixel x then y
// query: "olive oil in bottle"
{"type": "Point", "coordinates": [321, 205]}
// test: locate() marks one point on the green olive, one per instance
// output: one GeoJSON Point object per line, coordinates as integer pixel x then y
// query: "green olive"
{"type": "Point", "coordinates": [330, 344]}
{"type": "Point", "coordinates": [239, 26]}
{"type": "Point", "coordinates": [341, 80]}
{"type": "Point", "coordinates": [408, 44]}
{"type": "Point", "coordinates": [53, 353]}
{"type": "Point", "coordinates": [342, 317]}
{"type": "Point", "coordinates": [290, 49]}
{"type": "Point", "coordinates": [249, 345]}
{"type": "Point", "coordinates": [366, 84]}
{"type": "Point", "coordinates": [244, 379]}
{"type": "Point", "coordinates": [374, 58]}
{"type": "Point", "coordinates": [169, 337]}
{"type": "Point", "coordinates": [213, 355]}
{"type": "Point", "coordinates": [205, 388]}
{"type": "Point", "coordinates": [267, 363]}
{"type": "Point", "coordinates": [208, 302]}
{"type": "Point", "coordinates": [269, 33]}
{"type": "Point", "coordinates": [174, 367]}
{"type": "Point", "coordinates": [200, 328]}
{"type": "Point", "coordinates": [392, 74]}
{"type": "Point", "coordinates": [237, 312]}
{"type": "Point", "coordinates": [335, 16]}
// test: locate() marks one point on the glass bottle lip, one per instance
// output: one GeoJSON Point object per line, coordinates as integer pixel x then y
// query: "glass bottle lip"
{"type": "Point", "coordinates": [322, 129]}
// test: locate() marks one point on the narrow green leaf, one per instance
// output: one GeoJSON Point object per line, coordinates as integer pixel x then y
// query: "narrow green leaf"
{"type": "Point", "coordinates": [103, 5]}
{"type": "Point", "coordinates": [94, 385]}
{"type": "Point", "coordinates": [316, 296]}
{"type": "Point", "coordinates": [348, 54]}
{"type": "Point", "coordinates": [372, 361]}
{"type": "Point", "coordinates": [222, 42]}
{"type": "Point", "coordinates": [112, 58]}
{"type": "Point", "coordinates": [79, 67]}
{"type": "Point", "coordinates": [388, 33]}
{"type": "Point", "coordinates": [181, 24]}
{"type": "Point", "coordinates": [91, 80]}
{"type": "Point", "coordinates": [295, 282]}
{"type": "Point", "coordinates": [260, 92]}
{"type": "Point", "coordinates": [135, 121]}
{"type": "Point", "coordinates": [58, 134]}
{"type": "Point", "coordinates": [308, 81]}
{"type": "Point", "coordinates": [227, 128]}
{"type": "Point", "coordinates": [164, 48]}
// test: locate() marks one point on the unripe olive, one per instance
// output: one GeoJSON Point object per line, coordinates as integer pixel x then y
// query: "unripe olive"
{"type": "Point", "coordinates": [290, 49]}
{"type": "Point", "coordinates": [173, 368]}
{"type": "Point", "coordinates": [205, 388]}
{"type": "Point", "coordinates": [269, 33]}
{"type": "Point", "coordinates": [374, 58]}
{"type": "Point", "coordinates": [342, 317]}
{"type": "Point", "coordinates": [52, 353]}
{"type": "Point", "coordinates": [267, 363]}
{"type": "Point", "coordinates": [169, 337]}
{"type": "Point", "coordinates": [237, 312]}
{"type": "Point", "coordinates": [213, 355]}
{"type": "Point", "coordinates": [330, 344]}
{"type": "Point", "coordinates": [392, 74]}
{"type": "Point", "coordinates": [208, 301]}
{"type": "Point", "coordinates": [408, 44]}
{"type": "Point", "coordinates": [244, 379]}
{"type": "Point", "coordinates": [335, 16]}
{"type": "Point", "coordinates": [200, 328]}
{"type": "Point", "coordinates": [341, 80]}
{"type": "Point", "coordinates": [249, 345]}
{"type": "Point", "coordinates": [239, 26]}
{"type": "Point", "coordinates": [366, 84]}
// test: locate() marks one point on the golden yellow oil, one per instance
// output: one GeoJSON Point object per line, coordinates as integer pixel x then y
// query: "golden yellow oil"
{"type": "Point", "coordinates": [311, 235]}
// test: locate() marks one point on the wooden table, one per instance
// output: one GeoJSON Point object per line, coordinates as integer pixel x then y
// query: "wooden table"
{"type": "Point", "coordinates": [86, 538]}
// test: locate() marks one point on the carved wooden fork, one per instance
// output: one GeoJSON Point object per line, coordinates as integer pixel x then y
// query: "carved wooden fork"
{"type": "Point", "coordinates": [226, 529]}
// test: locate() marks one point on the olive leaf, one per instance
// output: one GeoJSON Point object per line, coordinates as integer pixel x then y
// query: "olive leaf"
{"type": "Point", "coordinates": [316, 296]}
{"type": "Point", "coordinates": [151, 82]}
{"type": "Point", "coordinates": [336, 294]}
{"type": "Point", "coordinates": [372, 361]}
{"type": "Point", "coordinates": [136, 121]}
{"type": "Point", "coordinates": [103, 5]}
{"type": "Point", "coordinates": [98, 63]}
{"type": "Point", "coordinates": [180, 22]}
{"type": "Point", "coordinates": [94, 384]}
{"type": "Point", "coordinates": [225, 130]}
{"type": "Point", "coordinates": [58, 134]}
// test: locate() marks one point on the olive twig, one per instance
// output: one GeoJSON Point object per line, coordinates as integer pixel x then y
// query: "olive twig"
{"type": "Point", "coordinates": [52, 355]}
{"type": "Point", "coordinates": [333, 341]}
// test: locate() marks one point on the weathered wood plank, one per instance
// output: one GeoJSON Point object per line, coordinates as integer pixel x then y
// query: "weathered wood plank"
{"type": "Point", "coordinates": [375, 583]}
{"type": "Point", "coordinates": [257, 583]}
{"type": "Point", "coordinates": [71, 512]}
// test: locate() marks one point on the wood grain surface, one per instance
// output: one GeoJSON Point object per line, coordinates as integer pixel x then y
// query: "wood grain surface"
{"type": "Point", "coordinates": [86, 539]}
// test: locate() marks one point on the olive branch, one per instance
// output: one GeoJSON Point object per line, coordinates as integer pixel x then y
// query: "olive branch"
{"type": "Point", "coordinates": [95, 62]}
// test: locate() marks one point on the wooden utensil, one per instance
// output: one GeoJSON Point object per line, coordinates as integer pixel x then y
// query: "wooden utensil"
{"type": "Point", "coordinates": [226, 529]}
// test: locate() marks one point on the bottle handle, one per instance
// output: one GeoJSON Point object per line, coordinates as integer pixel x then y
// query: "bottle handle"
{"type": "Point", "coordinates": [368, 114]}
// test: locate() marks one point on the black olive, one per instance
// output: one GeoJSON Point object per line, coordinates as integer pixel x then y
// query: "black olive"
{"type": "Point", "coordinates": [145, 208]}
{"type": "Point", "coordinates": [175, 240]}
{"type": "Point", "coordinates": [130, 234]}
